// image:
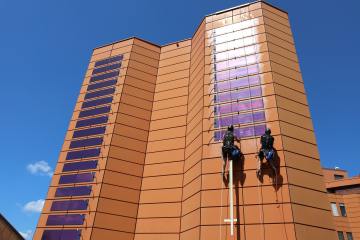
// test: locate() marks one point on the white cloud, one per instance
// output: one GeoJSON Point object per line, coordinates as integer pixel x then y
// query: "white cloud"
{"type": "Point", "coordinates": [34, 206]}
{"type": "Point", "coordinates": [40, 167]}
{"type": "Point", "coordinates": [27, 235]}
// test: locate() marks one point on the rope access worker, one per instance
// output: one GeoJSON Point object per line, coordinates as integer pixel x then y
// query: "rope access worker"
{"type": "Point", "coordinates": [229, 149]}
{"type": "Point", "coordinates": [267, 150]}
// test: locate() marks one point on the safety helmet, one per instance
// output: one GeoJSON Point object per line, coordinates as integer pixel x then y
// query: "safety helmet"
{"type": "Point", "coordinates": [231, 128]}
{"type": "Point", "coordinates": [267, 131]}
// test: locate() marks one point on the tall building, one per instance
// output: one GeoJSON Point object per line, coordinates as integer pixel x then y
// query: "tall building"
{"type": "Point", "coordinates": [344, 198]}
{"type": "Point", "coordinates": [142, 154]}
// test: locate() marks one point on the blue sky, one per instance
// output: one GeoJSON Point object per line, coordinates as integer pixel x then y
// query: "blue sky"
{"type": "Point", "coordinates": [45, 47]}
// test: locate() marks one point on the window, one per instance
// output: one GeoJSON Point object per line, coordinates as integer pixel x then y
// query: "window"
{"type": "Point", "coordinates": [338, 176]}
{"type": "Point", "coordinates": [349, 236]}
{"type": "Point", "coordinates": [101, 85]}
{"type": "Point", "coordinates": [76, 178]}
{"type": "Point", "coordinates": [342, 209]}
{"type": "Point", "coordinates": [99, 93]}
{"type": "Point", "coordinates": [104, 76]}
{"type": "Point", "coordinates": [109, 60]}
{"type": "Point", "coordinates": [73, 191]}
{"type": "Point", "coordinates": [334, 209]}
{"type": "Point", "coordinates": [341, 235]}
{"type": "Point", "coordinates": [97, 102]}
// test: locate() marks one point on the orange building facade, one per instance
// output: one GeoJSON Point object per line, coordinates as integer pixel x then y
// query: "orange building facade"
{"type": "Point", "coordinates": [142, 154]}
{"type": "Point", "coordinates": [344, 198]}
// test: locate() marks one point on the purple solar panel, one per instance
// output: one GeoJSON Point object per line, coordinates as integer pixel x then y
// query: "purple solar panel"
{"type": "Point", "coordinates": [104, 76]}
{"type": "Point", "coordinates": [99, 93]}
{"type": "Point", "coordinates": [106, 68]}
{"type": "Point", "coordinates": [68, 219]}
{"type": "Point", "coordinates": [243, 132]}
{"type": "Point", "coordinates": [102, 84]}
{"type": "Point", "coordinates": [69, 205]}
{"type": "Point", "coordinates": [83, 154]}
{"type": "Point", "coordinates": [78, 166]}
{"type": "Point", "coordinates": [77, 178]}
{"type": "Point", "coordinates": [97, 102]}
{"type": "Point", "coordinates": [89, 132]}
{"type": "Point", "coordinates": [69, 234]}
{"type": "Point", "coordinates": [109, 60]}
{"type": "Point", "coordinates": [73, 191]}
{"type": "Point", "coordinates": [94, 111]}
{"type": "Point", "coordinates": [86, 142]}
{"type": "Point", "coordinates": [91, 121]}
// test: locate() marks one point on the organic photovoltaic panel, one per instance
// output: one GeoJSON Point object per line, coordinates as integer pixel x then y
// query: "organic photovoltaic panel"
{"type": "Point", "coordinates": [237, 91]}
{"type": "Point", "coordinates": [104, 76]}
{"type": "Point", "coordinates": [97, 102]}
{"type": "Point", "coordinates": [69, 205]}
{"type": "Point", "coordinates": [100, 93]}
{"type": "Point", "coordinates": [79, 166]}
{"type": "Point", "coordinates": [73, 191]}
{"type": "Point", "coordinates": [95, 111]}
{"type": "Point", "coordinates": [77, 178]}
{"type": "Point", "coordinates": [86, 142]}
{"type": "Point", "coordinates": [68, 219]}
{"type": "Point", "coordinates": [83, 154]}
{"type": "Point", "coordinates": [109, 60]}
{"type": "Point", "coordinates": [106, 68]}
{"type": "Point", "coordinates": [91, 121]}
{"type": "Point", "coordinates": [101, 84]}
{"type": "Point", "coordinates": [64, 234]}
{"type": "Point", "coordinates": [89, 132]}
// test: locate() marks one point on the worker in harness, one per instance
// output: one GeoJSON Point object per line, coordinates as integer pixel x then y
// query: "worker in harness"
{"type": "Point", "coordinates": [229, 149]}
{"type": "Point", "coordinates": [267, 151]}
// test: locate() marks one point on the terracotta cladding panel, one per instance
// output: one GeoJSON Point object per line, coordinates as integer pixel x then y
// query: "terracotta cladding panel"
{"type": "Point", "coordinates": [146, 52]}
{"type": "Point", "coordinates": [273, 30]}
{"type": "Point", "coordinates": [280, 42]}
{"type": "Point", "coordinates": [113, 222]}
{"type": "Point", "coordinates": [128, 143]}
{"type": "Point", "coordinates": [302, 162]}
{"type": "Point", "coordinates": [132, 121]}
{"type": "Point", "coordinates": [134, 111]}
{"type": "Point", "coordinates": [284, 61]}
{"type": "Point", "coordinates": [158, 225]}
{"type": "Point", "coordinates": [132, 88]}
{"type": "Point", "coordinates": [145, 59]}
{"type": "Point", "coordinates": [304, 232]}
{"type": "Point", "coordinates": [173, 46]}
{"type": "Point", "coordinates": [126, 154]}
{"type": "Point", "coordinates": [305, 179]}
{"type": "Point", "coordinates": [151, 47]}
{"type": "Point", "coordinates": [121, 179]}
{"type": "Point", "coordinates": [309, 197]}
{"type": "Point", "coordinates": [167, 133]}
{"type": "Point", "coordinates": [190, 220]}
{"type": "Point", "coordinates": [173, 76]}
{"type": "Point", "coordinates": [165, 156]}
{"type": "Point", "coordinates": [312, 216]}
{"type": "Point", "coordinates": [292, 106]}
{"type": "Point", "coordinates": [174, 68]}
{"type": "Point", "coordinates": [178, 92]}
{"type": "Point", "coordinates": [158, 210]}
{"type": "Point", "coordinates": [295, 119]}
{"type": "Point", "coordinates": [168, 123]}
{"type": "Point", "coordinates": [172, 84]}
{"type": "Point", "coordinates": [163, 168]}
{"type": "Point", "coordinates": [158, 182]}
{"type": "Point", "coordinates": [175, 53]}
{"type": "Point", "coordinates": [169, 112]}
{"type": "Point", "coordinates": [191, 203]}
{"type": "Point", "coordinates": [99, 234]}
{"type": "Point", "coordinates": [174, 60]}
{"type": "Point", "coordinates": [192, 234]}
{"type": "Point", "coordinates": [117, 207]}
{"type": "Point", "coordinates": [141, 75]}
{"type": "Point", "coordinates": [156, 236]}
{"type": "Point", "coordinates": [128, 131]}
{"type": "Point", "coordinates": [277, 22]}
{"type": "Point", "coordinates": [120, 193]}
{"type": "Point", "coordinates": [161, 195]}
{"type": "Point", "coordinates": [297, 132]}
{"type": "Point", "coordinates": [282, 51]}
{"type": "Point", "coordinates": [140, 64]}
